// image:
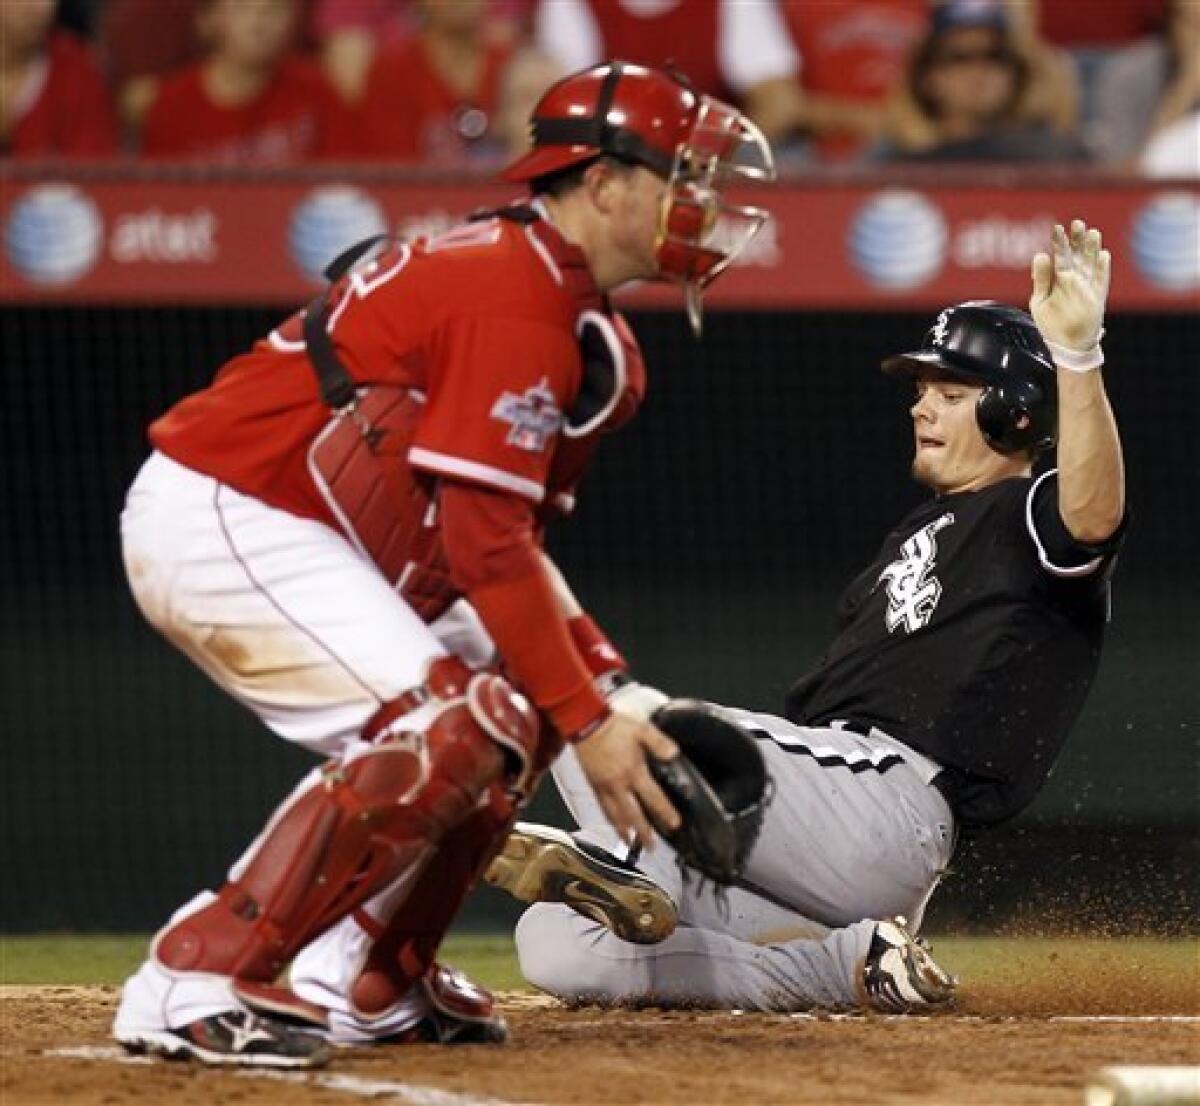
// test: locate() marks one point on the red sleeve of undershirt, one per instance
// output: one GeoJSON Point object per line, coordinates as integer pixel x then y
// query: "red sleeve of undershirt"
{"type": "Point", "coordinates": [495, 561]}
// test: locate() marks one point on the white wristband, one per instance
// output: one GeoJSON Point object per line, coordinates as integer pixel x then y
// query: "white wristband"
{"type": "Point", "coordinates": [1076, 361]}
{"type": "Point", "coordinates": [636, 700]}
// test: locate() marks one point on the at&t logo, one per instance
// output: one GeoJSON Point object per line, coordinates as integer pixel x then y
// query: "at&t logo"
{"type": "Point", "coordinates": [328, 221]}
{"type": "Point", "coordinates": [898, 240]}
{"type": "Point", "coordinates": [1166, 241]}
{"type": "Point", "coordinates": [54, 234]}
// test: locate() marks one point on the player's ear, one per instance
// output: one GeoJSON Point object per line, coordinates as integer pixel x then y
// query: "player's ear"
{"type": "Point", "coordinates": [601, 181]}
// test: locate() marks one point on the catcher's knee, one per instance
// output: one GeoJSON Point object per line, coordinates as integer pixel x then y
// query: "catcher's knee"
{"type": "Point", "coordinates": [363, 824]}
{"type": "Point", "coordinates": [486, 702]}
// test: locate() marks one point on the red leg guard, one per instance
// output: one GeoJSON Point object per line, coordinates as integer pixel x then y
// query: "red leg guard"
{"type": "Point", "coordinates": [360, 829]}
{"type": "Point", "coordinates": [406, 947]}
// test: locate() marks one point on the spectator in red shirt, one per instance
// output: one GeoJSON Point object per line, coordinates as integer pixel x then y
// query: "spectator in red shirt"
{"type": "Point", "coordinates": [433, 97]}
{"type": "Point", "coordinates": [1094, 35]}
{"type": "Point", "coordinates": [53, 100]}
{"type": "Point", "coordinates": [853, 53]}
{"type": "Point", "coordinates": [734, 49]}
{"type": "Point", "coordinates": [1148, 87]}
{"type": "Point", "coordinates": [251, 101]}
{"type": "Point", "coordinates": [349, 32]}
{"type": "Point", "coordinates": [1074, 25]}
{"type": "Point", "coordinates": [142, 43]}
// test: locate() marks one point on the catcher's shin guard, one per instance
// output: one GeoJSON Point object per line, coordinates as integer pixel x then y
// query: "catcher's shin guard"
{"type": "Point", "coordinates": [368, 822]}
{"type": "Point", "coordinates": [406, 944]}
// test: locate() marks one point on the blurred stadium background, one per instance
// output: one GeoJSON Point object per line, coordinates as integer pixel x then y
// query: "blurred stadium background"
{"type": "Point", "coordinates": [711, 540]}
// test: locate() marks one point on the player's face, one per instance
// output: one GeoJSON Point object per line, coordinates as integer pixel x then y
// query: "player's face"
{"type": "Point", "coordinates": [634, 217]}
{"type": "Point", "coordinates": [951, 452]}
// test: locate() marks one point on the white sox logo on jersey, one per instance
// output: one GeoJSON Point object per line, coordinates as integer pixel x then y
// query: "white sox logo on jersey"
{"type": "Point", "coordinates": [533, 416]}
{"type": "Point", "coordinates": [913, 593]}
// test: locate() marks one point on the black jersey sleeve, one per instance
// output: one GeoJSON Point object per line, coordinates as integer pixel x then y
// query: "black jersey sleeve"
{"type": "Point", "coordinates": [1058, 552]}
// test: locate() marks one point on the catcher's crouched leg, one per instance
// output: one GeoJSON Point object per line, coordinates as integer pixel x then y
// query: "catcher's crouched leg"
{"type": "Point", "coordinates": [376, 970]}
{"type": "Point", "coordinates": [371, 822]}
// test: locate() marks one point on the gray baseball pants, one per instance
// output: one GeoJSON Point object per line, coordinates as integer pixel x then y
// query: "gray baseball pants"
{"type": "Point", "coordinates": [855, 833]}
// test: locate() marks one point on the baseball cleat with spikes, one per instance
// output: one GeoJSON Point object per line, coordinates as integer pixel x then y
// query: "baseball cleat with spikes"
{"type": "Point", "coordinates": [543, 864]}
{"type": "Point", "coordinates": [237, 1038]}
{"type": "Point", "coordinates": [900, 976]}
{"type": "Point", "coordinates": [458, 1012]}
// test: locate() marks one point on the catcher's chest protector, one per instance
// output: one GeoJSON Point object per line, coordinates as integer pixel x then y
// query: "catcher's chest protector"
{"type": "Point", "coordinates": [359, 463]}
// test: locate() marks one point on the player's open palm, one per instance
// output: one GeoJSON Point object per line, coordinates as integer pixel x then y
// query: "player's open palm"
{"type": "Point", "coordinates": [1070, 287]}
{"type": "Point", "coordinates": [614, 761]}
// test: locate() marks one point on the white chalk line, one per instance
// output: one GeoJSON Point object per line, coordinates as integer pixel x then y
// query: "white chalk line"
{"type": "Point", "coordinates": [964, 1019]}
{"type": "Point", "coordinates": [1080, 1019]}
{"type": "Point", "coordinates": [410, 1094]}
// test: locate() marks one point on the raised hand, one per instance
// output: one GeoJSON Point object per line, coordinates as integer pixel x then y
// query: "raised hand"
{"type": "Point", "coordinates": [1070, 289]}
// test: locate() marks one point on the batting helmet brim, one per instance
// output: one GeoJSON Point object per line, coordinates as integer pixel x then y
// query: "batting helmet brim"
{"type": "Point", "coordinates": [930, 363]}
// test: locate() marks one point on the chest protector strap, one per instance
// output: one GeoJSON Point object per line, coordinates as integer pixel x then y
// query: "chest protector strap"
{"type": "Point", "coordinates": [359, 463]}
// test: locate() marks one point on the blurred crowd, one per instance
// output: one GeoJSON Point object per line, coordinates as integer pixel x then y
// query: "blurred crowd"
{"type": "Point", "coordinates": [450, 83]}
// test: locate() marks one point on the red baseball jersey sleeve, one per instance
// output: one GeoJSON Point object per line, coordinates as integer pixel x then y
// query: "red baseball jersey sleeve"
{"type": "Point", "coordinates": [479, 323]}
{"type": "Point", "coordinates": [495, 410]}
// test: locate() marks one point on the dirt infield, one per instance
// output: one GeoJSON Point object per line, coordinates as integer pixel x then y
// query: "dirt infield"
{"type": "Point", "coordinates": [1021, 1045]}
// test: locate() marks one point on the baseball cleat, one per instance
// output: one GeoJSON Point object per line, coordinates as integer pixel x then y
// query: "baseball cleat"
{"type": "Point", "coordinates": [236, 1038]}
{"type": "Point", "coordinates": [542, 864]}
{"type": "Point", "coordinates": [900, 976]}
{"type": "Point", "coordinates": [458, 1012]}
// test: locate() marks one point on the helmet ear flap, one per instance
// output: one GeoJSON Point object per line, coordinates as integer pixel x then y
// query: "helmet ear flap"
{"type": "Point", "coordinates": [1016, 415]}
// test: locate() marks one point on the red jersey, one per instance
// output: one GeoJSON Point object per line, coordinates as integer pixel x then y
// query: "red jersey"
{"type": "Point", "coordinates": [1070, 24]}
{"type": "Point", "coordinates": [684, 36]}
{"type": "Point", "coordinates": [408, 113]}
{"type": "Point", "coordinates": [480, 322]}
{"type": "Point", "coordinates": [296, 117]}
{"type": "Point", "coordinates": [479, 328]}
{"type": "Point", "coordinates": [65, 109]}
{"type": "Point", "coordinates": [855, 49]}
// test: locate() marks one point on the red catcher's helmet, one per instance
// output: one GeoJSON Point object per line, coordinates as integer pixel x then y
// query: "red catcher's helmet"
{"type": "Point", "coordinates": [697, 144]}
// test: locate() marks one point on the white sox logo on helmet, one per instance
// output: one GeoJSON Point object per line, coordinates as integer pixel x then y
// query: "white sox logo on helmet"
{"type": "Point", "coordinates": [913, 593]}
{"type": "Point", "coordinates": [939, 328]}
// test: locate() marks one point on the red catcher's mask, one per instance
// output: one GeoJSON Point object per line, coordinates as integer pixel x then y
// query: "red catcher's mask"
{"type": "Point", "coordinates": [699, 145]}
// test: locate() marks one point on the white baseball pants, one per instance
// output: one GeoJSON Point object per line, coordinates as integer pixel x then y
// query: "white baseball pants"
{"type": "Point", "coordinates": [284, 615]}
{"type": "Point", "coordinates": [855, 833]}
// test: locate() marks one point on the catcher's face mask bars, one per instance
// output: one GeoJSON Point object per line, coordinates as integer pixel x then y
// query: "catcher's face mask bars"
{"type": "Point", "coordinates": [700, 232]}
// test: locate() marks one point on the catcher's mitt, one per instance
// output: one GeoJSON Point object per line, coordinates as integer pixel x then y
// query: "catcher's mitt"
{"type": "Point", "coordinates": [718, 784]}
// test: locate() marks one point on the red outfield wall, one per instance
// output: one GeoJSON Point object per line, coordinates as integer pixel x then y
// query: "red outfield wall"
{"type": "Point", "coordinates": [125, 234]}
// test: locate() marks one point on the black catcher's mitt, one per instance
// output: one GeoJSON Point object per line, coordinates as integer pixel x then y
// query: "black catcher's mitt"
{"type": "Point", "coordinates": [718, 784]}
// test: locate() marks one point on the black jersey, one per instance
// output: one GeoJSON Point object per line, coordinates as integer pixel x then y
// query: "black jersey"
{"type": "Point", "coordinates": [973, 637]}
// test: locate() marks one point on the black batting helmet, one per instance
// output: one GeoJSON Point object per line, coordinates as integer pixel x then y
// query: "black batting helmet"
{"type": "Point", "coordinates": [988, 343]}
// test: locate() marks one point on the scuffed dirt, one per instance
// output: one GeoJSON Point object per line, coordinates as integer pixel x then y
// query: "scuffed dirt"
{"type": "Point", "coordinates": [1001, 1048]}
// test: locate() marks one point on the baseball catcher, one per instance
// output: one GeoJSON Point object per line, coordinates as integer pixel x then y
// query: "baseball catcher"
{"type": "Point", "coordinates": [963, 654]}
{"type": "Point", "coordinates": [345, 532]}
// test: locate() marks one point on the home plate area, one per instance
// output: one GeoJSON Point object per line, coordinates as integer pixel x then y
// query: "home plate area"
{"type": "Point", "coordinates": [56, 1050]}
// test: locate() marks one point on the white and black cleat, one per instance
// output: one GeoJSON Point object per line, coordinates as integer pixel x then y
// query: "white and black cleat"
{"type": "Point", "coordinates": [543, 864]}
{"type": "Point", "coordinates": [236, 1038]}
{"type": "Point", "coordinates": [900, 976]}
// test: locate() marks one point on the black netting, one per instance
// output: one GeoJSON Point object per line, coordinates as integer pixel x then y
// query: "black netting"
{"type": "Point", "coordinates": [711, 540]}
